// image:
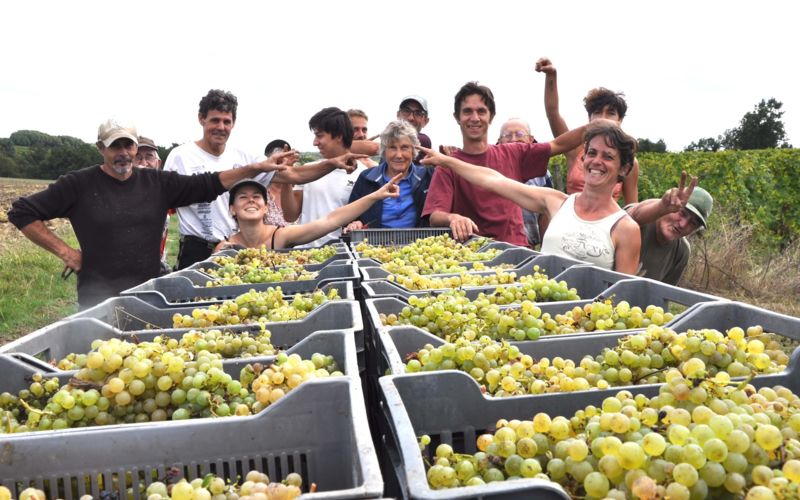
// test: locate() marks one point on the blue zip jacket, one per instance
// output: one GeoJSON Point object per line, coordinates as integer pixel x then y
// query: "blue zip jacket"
{"type": "Point", "coordinates": [371, 180]}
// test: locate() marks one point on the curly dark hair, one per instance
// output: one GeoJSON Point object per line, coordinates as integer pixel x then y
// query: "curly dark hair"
{"type": "Point", "coordinates": [614, 137]}
{"type": "Point", "coordinates": [219, 100]}
{"type": "Point", "coordinates": [472, 88]}
{"type": "Point", "coordinates": [601, 97]}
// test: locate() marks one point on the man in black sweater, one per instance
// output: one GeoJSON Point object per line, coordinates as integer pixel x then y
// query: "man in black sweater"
{"type": "Point", "coordinates": [117, 212]}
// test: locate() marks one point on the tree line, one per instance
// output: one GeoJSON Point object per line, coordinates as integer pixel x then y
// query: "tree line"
{"type": "Point", "coordinates": [36, 155]}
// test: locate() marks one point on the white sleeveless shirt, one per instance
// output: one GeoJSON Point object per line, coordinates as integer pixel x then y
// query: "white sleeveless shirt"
{"type": "Point", "coordinates": [585, 240]}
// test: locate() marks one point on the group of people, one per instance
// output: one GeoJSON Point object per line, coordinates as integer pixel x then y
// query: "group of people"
{"type": "Point", "coordinates": [226, 197]}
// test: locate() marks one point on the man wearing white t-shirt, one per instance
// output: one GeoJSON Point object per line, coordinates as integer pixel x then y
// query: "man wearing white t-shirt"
{"type": "Point", "coordinates": [203, 225]}
{"type": "Point", "coordinates": [333, 135]}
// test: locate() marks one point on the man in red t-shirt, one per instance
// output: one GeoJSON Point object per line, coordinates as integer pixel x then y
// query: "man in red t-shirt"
{"type": "Point", "coordinates": [467, 209]}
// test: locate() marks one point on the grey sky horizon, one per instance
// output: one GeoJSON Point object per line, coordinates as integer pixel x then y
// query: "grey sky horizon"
{"type": "Point", "coordinates": [688, 69]}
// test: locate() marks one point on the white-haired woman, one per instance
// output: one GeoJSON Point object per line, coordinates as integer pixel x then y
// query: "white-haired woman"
{"type": "Point", "coordinates": [399, 147]}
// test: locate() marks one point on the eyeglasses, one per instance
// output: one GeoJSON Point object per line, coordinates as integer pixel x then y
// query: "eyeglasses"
{"type": "Point", "coordinates": [419, 113]}
{"type": "Point", "coordinates": [150, 155]}
{"type": "Point", "coordinates": [519, 134]}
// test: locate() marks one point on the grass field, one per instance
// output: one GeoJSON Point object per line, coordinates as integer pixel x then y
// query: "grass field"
{"type": "Point", "coordinates": [32, 292]}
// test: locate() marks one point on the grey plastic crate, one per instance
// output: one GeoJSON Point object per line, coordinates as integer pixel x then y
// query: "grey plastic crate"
{"type": "Point", "coordinates": [552, 265]}
{"type": "Point", "coordinates": [517, 257]}
{"type": "Point", "coordinates": [133, 315]}
{"type": "Point", "coordinates": [318, 430]}
{"type": "Point", "coordinates": [392, 237]}
{"type": "Point", "coordinates": [449, 407]}
{"type": "Point", "coordinates": [337, 258]}
{"type": "Point", "coordinates": [375, 307]}
{"type": "Point", "coordinates": [177, 291]}
{"type": "Point", "coordinates": [726, 315]}
{"type": "Point", "coordinates": [341, 248]}
{"type": "Point", "coordinates": [643, 292]}
{"type": "Point", "coordinates": [637, 291]}
{"type": "Point", "coordinates": [396, 343]}
{"type": "Point", "coordinates": [18, 367]}
{"type": "Point", "coordinates": [490, 245]}
{"type": "Point", "coordinates": [588, 281]}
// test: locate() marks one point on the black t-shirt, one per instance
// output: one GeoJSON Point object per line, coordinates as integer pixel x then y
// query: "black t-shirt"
{"type": "Point", "coordinates": [118, 223]}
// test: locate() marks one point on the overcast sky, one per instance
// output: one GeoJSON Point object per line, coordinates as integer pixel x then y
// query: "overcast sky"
{"type": "Point", "coordinates": [688, 69]}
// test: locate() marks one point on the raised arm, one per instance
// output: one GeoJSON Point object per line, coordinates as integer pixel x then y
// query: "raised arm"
{"type": "Point", "coordinates": [558, 125]}
{"type": "Point", "coordinates": [311, 172]}
{"type": "Point", "coordinates": [533, 198]}
{"type": "Point", "coordinates": [297, 235]}
{"type": "Point", "coordinates": [231, 176]}
{"type": "Point", "coordinates": [674, 200]}
{"type": "Point", "coordinates": [630, 186]}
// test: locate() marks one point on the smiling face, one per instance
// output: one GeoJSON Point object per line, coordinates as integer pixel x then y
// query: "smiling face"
{"type": "Point", "coordinates": [118, 158]}
{"type": "Point", "coordinates": [147, 158]}
{"type": "Point", "coordinates": [601, 163]}
{"type": "Point", "coordinates": [217, 126]}
{"type": "Point", "coordinates": [474, 119]}
{"type": "Point", "coordinates": [248, 204]}
{"type": "Point", "coordinates": [398, 156]}
{"type": "Point", "coordinates": [677, 225]}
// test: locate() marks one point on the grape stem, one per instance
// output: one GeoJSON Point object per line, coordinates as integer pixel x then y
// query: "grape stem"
{"type": "Point", "coordinates": [83, 384]}
{"type": "Point", "coordinates": [120, 314]}
{"type": "Point", "coordinates": [33, 410]}
{"type": "Point", "coordinates": [635, 381]}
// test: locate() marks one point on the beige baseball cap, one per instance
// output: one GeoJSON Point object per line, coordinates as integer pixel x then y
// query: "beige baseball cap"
{"type": "Point", "coordinates": [111, 130]}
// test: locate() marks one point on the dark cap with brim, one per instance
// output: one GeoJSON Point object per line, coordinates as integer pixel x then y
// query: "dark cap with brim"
{"type": "Point", "coordinates": [145, 142]}
{"type": "Point", "coordinates": [242, 183]}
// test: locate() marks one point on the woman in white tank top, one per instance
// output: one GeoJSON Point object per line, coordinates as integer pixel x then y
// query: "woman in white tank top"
{"type": "Point", "coordinates": [588, 226]}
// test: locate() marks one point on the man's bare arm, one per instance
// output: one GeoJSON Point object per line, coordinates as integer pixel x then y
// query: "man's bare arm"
{"type": "Point", "coordinates": [40, 234]}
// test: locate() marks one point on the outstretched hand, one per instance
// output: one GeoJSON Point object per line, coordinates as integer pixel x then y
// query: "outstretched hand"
{"type": "Point", "coordinates": [434, 158]}
{"type": "Point", "coordinates": [675, 199]}
{"type": "Point", "coordinates": [275, 163]}
{"type": "Point", "coordinates": [285, 157]}
{"type": "Point", "coordinates": [348, 161]}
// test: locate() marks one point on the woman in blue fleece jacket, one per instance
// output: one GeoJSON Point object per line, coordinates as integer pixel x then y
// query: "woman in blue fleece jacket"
{"type": "Point", "coordinates": [399, 147]}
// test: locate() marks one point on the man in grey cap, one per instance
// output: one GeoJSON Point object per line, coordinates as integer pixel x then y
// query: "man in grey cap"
{"type": "Point", "coordinates": [117, 212]}
{"type": "Point", "coordinates": [665, 225]}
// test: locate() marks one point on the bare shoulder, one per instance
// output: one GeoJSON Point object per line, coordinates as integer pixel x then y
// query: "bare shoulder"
{"type": "Point", "coordinates": [626, 226]}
